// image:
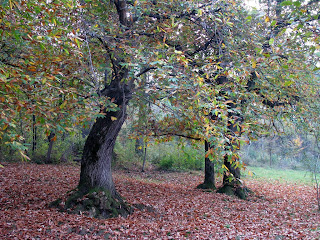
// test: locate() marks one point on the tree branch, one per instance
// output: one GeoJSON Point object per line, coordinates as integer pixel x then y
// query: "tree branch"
{"type": "Point", "coordinates": [178, 135]}
{"type": "Point", "coordinates": [143, 71]}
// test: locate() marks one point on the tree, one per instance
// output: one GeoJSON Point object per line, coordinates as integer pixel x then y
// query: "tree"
{"type": "Point", "coordinates": [215, 81]}
{"type": "Point", "coordinates": [132, 29]}
{"type": "Point", "coordinates": [232, 85]}
{"type": "Point", "coordinates": [209, 174]}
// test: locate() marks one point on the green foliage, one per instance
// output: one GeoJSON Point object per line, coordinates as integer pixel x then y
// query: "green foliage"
{"type": "Point", "coordinates": [216, 72]}
{"type": "Point", "coordinates": [171, 156]}
{"type": "Point", "coordinates": [167, 163]}
{"type": "Point", "coordinates": [66, 148]}
{"type": "Point", "coordinates": [163, 156]}
{"type": "Point", "coordinates": [125, 157]}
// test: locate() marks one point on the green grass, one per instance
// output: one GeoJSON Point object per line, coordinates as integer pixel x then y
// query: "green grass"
{"type": "Point", "coordinates": [282, 175]}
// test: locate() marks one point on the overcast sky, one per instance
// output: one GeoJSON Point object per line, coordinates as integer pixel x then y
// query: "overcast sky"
{"type": "Point", "coordinates": [252, 3]}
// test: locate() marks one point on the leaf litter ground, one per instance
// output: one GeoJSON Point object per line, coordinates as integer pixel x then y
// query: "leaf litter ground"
{"type": "Point", "coordinates": [170, 208]}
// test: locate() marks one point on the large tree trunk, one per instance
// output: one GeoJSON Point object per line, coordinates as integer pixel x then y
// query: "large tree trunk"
{"type": "Point", "coordinates": [97, 153]}
{"type": "Point", "coordinates": [96, 195]}
{"type": "Point", "coordinates": [209, 177]}
{"type": "Point", "coordinates": [96, 176]}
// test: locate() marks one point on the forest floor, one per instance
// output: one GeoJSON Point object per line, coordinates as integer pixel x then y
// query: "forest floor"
{"type": "Point", "coordinates": [176, 210]}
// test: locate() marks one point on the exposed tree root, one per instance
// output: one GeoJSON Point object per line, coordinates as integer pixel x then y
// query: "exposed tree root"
{"type": "Point", "coordinates": [234, 190]}
{"type": "Point", "coordinates": [206, 186]}
{"type": "Point", "coordinates": [97, 203]}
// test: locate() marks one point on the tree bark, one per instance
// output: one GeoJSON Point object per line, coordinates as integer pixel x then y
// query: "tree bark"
{"type": "Point", "coordinates": [209, 177]}
{"type": "Point", "coordinates": [96, 195]}
{"type": "Point", "coordinates": [97, 153]}
{"type": "Point", "coordinates": [51, 141]}
{"type": "Point", "coordinates": [144, 157]}
{"type": "Point", "coordinates": [231, 178]}
{"type": "Point", "coordinates": [34, 135]}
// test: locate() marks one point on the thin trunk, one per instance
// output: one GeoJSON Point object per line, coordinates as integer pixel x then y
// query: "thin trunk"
{"type": "Point", "coordinates": [139, 146]}
{"type": "Point", "coordinates": [209, 177]}
{"type": "Point", "coordinates": [51, 141]}
{"type": "Point", "coordinates": [34, 135]}
{"type": "Point", "coordinates": [144, 157]}
{"type": "Point", "coordinates": [270, 153]}
{"type": "Point", "coordinates": [22, 132]}
{"type": "Point", "coordinates": [315, 175]}
{"type": "Point", "coordinates": [318, 191]}
{"type": "Point", "coordinates": [231, 178]}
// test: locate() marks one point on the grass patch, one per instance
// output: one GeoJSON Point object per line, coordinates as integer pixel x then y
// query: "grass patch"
{"type": "Point", "coordinates": [282, 175]}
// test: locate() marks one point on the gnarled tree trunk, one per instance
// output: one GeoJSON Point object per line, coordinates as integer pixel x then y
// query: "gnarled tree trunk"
{"type": "Point", "coordinates": [97, 153]}
{"type": "Point", "coordinates": [96, 176]}
{"type": "Point", "coordinates": [96, 194]}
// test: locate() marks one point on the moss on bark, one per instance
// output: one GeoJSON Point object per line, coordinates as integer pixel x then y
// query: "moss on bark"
{"type": "Point", "coordinates": [97, 203]}
{"type": "Point", "coordinates": [206, 186]}
{"type": "Point", "coordinates": [237, 191]}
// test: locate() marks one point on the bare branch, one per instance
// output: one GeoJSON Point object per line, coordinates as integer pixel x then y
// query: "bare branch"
{"type": "Point", "coordinates": [145, 71]}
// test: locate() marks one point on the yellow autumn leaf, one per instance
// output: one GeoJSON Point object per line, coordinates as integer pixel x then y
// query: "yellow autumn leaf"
{"type": "Point", "coordinates": [267, 19]}
{"type": "Point", "coordinates": [225, 167]}
{"type": "Point", "coordinates": [113, 118]}
{"type": "Point", "coordinates": [57, 59]}
{"type": "Point", "coordinates": [254, 64]}
{"type": "Point", "coordinates": [77, 42]}
{"type": "Point", "coordinates": [23, 155]}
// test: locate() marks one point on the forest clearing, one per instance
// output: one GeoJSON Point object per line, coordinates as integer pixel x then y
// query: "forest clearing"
{"type": "Point", "coordinates": [190, 92]}
{"type": "Point", "coordinates": [170, 207]}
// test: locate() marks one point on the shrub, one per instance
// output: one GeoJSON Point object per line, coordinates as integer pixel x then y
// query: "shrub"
{"type": "Point", "coordinates": [166, 163]}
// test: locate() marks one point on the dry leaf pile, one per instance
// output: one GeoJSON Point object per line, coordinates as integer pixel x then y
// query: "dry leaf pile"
{"type": "Point", "coordinates": [167, 206]}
